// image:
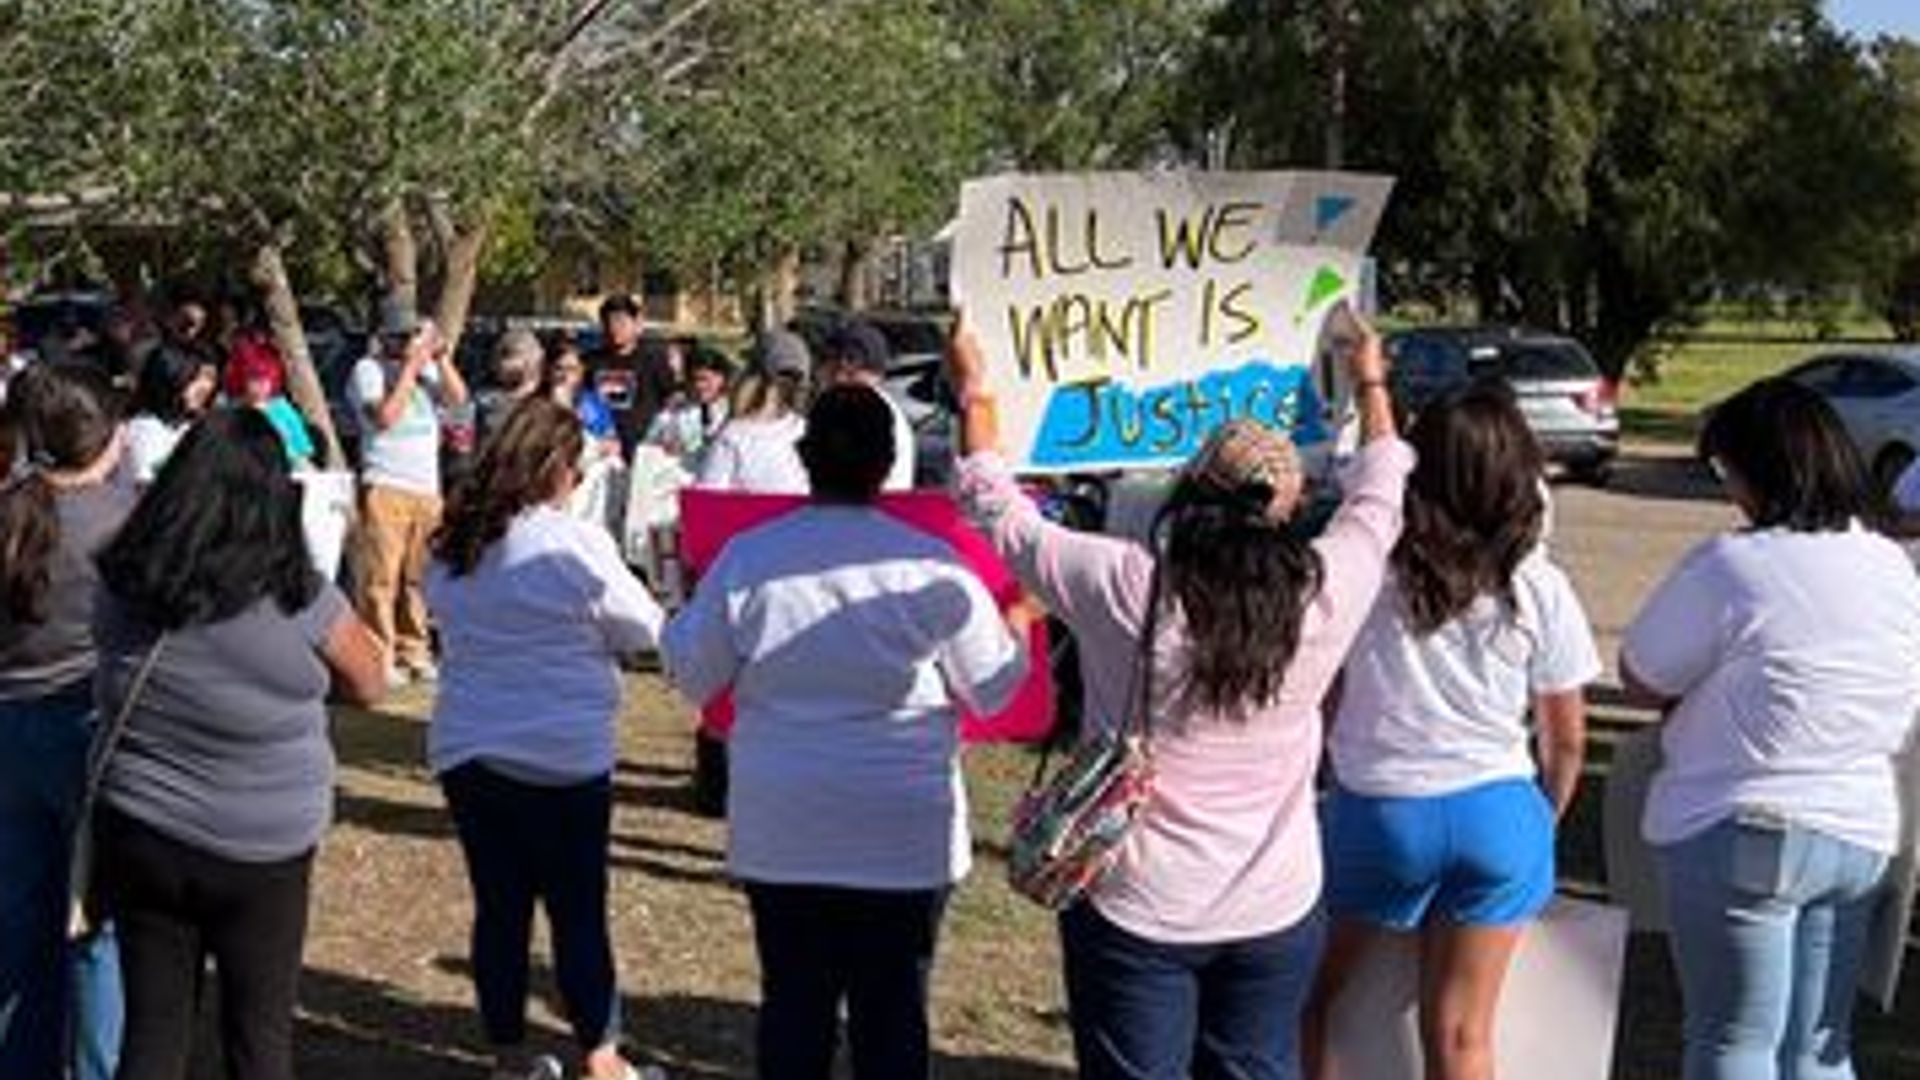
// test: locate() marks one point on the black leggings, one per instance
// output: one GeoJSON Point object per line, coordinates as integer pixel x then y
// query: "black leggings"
{"type": "Point", "coordinates": [176, 905]}
{"type": "Point", "coordinates": [527, 844]}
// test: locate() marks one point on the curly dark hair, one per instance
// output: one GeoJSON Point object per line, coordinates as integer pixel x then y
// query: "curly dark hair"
{"type": "Point", "coordinates": [522, 465]}
{"type": "Point", "coordinates": [218, 531]}
{"type": "Point", "coordinates": [58, 417]}
{"type": "Point", "coordinates": [1474, 507]}
{"type": "Point", "coordinates": [1242, 584]}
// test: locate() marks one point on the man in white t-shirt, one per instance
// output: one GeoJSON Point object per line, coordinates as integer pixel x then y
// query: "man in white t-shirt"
{"type": "Point", "coordinates": [396, 397]}
{"type": "Point", "coordinates": [856, 354]}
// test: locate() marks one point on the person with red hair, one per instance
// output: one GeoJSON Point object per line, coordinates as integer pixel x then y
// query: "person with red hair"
{"type": "Point", "coordinates": [256, 376]}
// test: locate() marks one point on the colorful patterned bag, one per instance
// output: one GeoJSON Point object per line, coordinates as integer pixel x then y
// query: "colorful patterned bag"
{"type": "Point", "coordinates": [1068, 828]}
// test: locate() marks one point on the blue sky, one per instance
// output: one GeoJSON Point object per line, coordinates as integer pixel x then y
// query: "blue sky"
{"type": "Point", "coordinates": [1869, 18]}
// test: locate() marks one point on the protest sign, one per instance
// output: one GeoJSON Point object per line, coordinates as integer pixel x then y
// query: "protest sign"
{"type": "Point", "coordinates": [1124, 316]}
{"type": "Point", "coordinates": [326, 515]}
{"type": "Point", "coordinates": [708, 519]}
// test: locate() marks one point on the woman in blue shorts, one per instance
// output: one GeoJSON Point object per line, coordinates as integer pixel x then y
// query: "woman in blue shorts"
{"type": "Point", "coordinates": [1439, 823]}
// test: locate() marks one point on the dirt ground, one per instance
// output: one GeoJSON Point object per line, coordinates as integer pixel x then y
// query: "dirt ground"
{"type": "Point", "coordinates": [386, 992]}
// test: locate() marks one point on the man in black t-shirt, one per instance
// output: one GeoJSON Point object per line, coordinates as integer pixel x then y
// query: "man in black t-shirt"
{"type": "Point", "coordinates": [635, 381]}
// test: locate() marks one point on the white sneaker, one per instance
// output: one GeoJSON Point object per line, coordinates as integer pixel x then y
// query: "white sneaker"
{"type": "Point", "coordinates": [543, 1067]}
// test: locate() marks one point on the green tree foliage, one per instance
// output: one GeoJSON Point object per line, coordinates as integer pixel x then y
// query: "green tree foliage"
{"type": "Point", "coordinates": [810, 126]}
{"type": "Point", "coordinates": [1898, 62]}
{"type": "Point", "coordinates": [1604, 167]}
{"type": "Point", "coordinates": [1076, 84]}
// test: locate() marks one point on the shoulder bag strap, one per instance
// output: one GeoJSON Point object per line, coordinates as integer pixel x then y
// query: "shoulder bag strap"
{"type": "Point", "coordinates": [108, 739]}
{"type": "Point", "coordinates": [1141, 718]}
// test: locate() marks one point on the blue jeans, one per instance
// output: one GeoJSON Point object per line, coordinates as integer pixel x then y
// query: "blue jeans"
{"type": "Point", "coordinates": [1143, 1010]}
{"type": "Point", "coordinates": [43, 753]}
{"type": "Point", "coordinates": [1769, 932]}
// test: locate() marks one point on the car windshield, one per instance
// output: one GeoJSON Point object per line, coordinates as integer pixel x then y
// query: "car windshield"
{"type": "Point", "coordinates": [1546, 360]}
{"type": "Point", "coordinates": [909, 337]}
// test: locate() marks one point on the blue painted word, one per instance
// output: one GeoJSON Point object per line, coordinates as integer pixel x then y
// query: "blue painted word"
{"type": "Point", "coordinates": [1108, 423]}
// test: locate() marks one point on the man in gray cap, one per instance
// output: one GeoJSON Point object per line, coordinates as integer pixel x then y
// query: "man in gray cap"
{"type": "Point", "coordinates": [855, 354]}
{"type": "Point", "coordinates": [396, 397]}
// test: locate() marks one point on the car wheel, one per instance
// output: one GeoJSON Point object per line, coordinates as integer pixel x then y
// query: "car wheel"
{"type": "Point", "coordinates": [1593, 473]}
{"type": "Point", "coordinates": [1889, 465]}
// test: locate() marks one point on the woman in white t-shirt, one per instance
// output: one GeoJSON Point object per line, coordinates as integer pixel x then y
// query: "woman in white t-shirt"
{"type": "Point", "coordinates": [850, 641]}
{"type": "Point", "coordinates": [1787, 658]}
{"type": "Point", "coordinates": [174, 388]}
{"type": "Point", "coordinates": [535, 612]}
{"type": "Point", "coordinates": [758, 448]}
{"type": "Point", "coordinates": [1440, 824]}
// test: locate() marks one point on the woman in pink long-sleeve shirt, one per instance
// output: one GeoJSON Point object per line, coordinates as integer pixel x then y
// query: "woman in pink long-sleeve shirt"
{"type": "Point", "coordinates": [1195, 954]}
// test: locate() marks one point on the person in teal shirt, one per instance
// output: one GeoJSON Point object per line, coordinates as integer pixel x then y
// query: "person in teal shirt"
{"type": "Point", "coordinates": [256, 376]}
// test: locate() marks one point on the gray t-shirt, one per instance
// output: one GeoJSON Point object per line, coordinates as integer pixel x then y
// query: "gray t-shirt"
{"type": "Point", "coordinates": [40, 659]}
{"type": "Point", "coordinates": [227, 748]}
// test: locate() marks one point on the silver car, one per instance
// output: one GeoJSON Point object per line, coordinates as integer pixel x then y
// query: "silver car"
{"type": "Point", "coordinates": [1877, 394]}
{"type": "Point", "coordinates": [1567, 402]}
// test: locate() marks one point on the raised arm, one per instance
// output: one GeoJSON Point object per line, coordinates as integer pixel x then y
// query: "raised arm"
{"type": "Point", "coordinates": [1357, 541]}
{"type": "Point", "coordinates": [1074, 574]}
{"type": "Point", "coordinates": [386, 400]}
{"type": "Point", "coordinates": [453, 385]}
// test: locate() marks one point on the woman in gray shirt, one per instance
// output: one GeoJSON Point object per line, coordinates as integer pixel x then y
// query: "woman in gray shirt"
{"type": "Point", "coordinates": [58, 505]}
{"type": "Point", "coordinates": [222, 782]}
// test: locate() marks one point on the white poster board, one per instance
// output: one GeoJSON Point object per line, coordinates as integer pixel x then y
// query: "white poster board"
{"type": "Point", "coordinates": [1124, 316]}
{"type": "Point", "coordinates": [326, 514]}
{"type": "Point", "coordinates": [1558, 1008]}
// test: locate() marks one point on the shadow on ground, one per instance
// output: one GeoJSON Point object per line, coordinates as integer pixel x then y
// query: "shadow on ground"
{"type": "Point", "coordinates": [1669, 475]}
{"type": "Point", "coordinates": [352, 1028]}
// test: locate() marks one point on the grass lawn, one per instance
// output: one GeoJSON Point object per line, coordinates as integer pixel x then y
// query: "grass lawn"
{"type": "Point", "coordinates": [1713, 362]}
{"type": "Point", "coordinates": [386, 990]}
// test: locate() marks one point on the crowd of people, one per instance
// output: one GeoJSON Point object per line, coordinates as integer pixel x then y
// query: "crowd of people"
{"type": "Point", "coordinates": [168, 649]}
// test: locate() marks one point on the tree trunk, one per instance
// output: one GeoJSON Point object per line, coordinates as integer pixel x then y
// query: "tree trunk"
{"type": "Point", "coordinates": [779, 299]}
{"type": "Point", "coordinates": [269, 275]}
{"type": "Point", "coordinates": [1339, 31]}
{"type": "Point", "coordinates": [402, 256]}
{"type": "Point", "coordinates": [856, 275]}
{"type": "Point", "coordinates": [462, 276]}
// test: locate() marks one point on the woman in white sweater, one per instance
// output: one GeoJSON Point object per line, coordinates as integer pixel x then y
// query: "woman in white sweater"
{"type": "Point", "coordinates": [535, 611]}
{"type": "Point", "coordinates": [1786, 659]}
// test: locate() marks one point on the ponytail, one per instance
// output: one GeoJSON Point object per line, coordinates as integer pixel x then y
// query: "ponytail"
{"type": "Point", "coordinates": [29, 532]}
{"type": "Point", "coordinates": [56, 419]}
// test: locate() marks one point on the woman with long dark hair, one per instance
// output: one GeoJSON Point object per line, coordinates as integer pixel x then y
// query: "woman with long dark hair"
{"type": "Point", "coordinates": [1786, 658]}
{"type": "Point", "coordinates": [174, 388]}
{"type": "Point", "coordinates": [1196, 951]}
{"type": "Point", "coordinates": [1440, 824]}
{"type": "Point", "coordinates": [536, 611]}
{"type": "Point", "coordinates": [59, 504]}
{"type": "Point", "coordinates": [221, 784]}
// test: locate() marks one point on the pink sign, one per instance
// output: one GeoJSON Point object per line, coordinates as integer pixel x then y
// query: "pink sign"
{"type": "Point", "coordinates": [708, 519]}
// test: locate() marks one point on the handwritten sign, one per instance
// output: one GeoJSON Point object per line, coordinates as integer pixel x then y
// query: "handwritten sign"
{"type": "Point", "coordinates": [1127, 315]}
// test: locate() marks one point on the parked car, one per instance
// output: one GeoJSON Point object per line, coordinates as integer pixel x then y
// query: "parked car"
{"type": "Point", "coordinates": [1877, 394]}
{"type": "Point", "coordinates": [1567, 402]}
